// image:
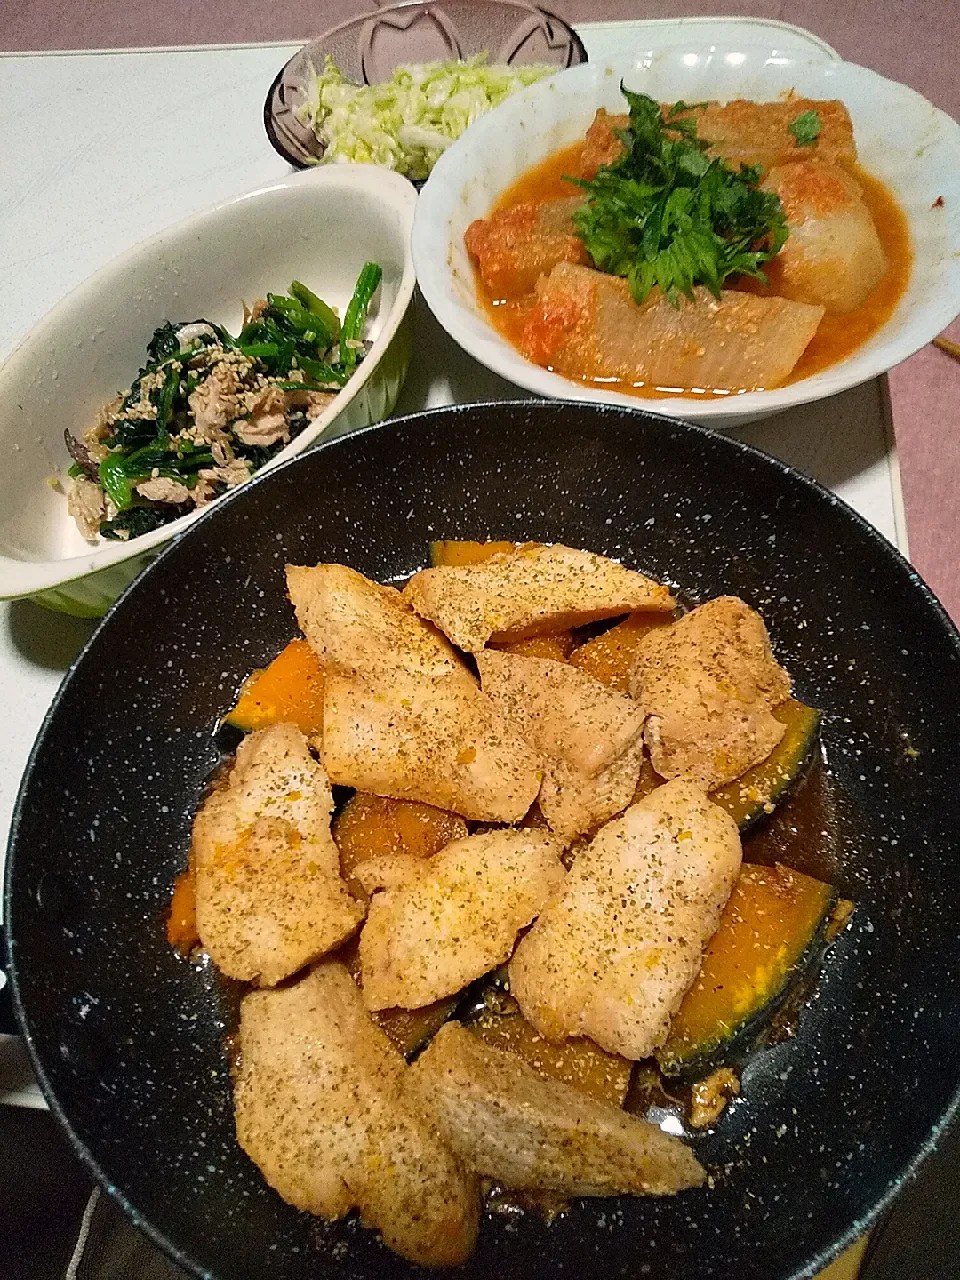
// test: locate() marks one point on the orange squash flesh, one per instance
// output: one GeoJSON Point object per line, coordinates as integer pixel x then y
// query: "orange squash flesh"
{"type": "Point", "coordinates": [182, 932]}
{"type": "Point", "coordinates": [452, 551]}
{"type": "Point", "coordinates": [580, 1062]}
{"type": "Point", "coordinates": [748, 798]}
{"type": "Point", "coordinates": [557, 645]}
{"type": "Point", "coordinates": [368, 826]}
{"type": "Point", "coordinates": [289, 690]}
{"type": "Point", "coordinates": [609, 657]}
{"type": "Point", "coordinates": [768, 927]}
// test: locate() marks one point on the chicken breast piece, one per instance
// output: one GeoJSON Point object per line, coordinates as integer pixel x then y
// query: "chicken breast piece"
{"type": "Point", "coordinates": [566, 713]}
{"type": "Point", "coordinates": [270, 897]}
{"type": "Point", "coordinates": [388, 871]}
{"type": "Point", "coordinates": [527, 592]}
{"type": "Point", "coordinates": [590, 736]}
{"type": "Point", "coordinates": [507, 1123]}
{"type": "Point", "coordinates": [358, 627]}
{"type": "Point", "coordinates": [575, 805]}
{"type": "Point", "coordinates": [458, 920]}
{"type": "Point", "coordinates": [833, 257]}
{"type": "Point", "coordinates": [612, 957]}
{"type": "Point", "coordinates": [741, 132]}
{"type": "Point", "coordinates": [585, 325]}
{"type": "Point", "coordinates": [440, 741]}
{"type": "Point", "coordinates": [515, 246]}
{"type": "Point", "coordinates": [708, 684]}
{"type": "Point", "coordinates": [323, 1111]}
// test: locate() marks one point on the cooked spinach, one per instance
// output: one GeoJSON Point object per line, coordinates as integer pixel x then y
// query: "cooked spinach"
{"type": "Point", "coordinates": [367, 284]}
{"type": "Point", "coordinates": [141, 519]}
{"type": "Point", "coordinates": [293, 343]}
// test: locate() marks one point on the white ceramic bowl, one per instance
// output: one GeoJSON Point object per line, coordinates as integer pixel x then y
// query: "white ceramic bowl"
{"type": "Point", "coordinates": [901, 138]}
{"type": "Point", "coordinates": [319, 227]}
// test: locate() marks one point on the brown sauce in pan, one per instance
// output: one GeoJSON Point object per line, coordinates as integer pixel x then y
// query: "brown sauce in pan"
{"type": "Point", "coordinates": [800, 831]}
{"type": "Point", "coordinates": [837, 337]}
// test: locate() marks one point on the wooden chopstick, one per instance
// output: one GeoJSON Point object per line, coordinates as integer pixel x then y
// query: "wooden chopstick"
{"type": "Point", "coordinates": [951, 348]}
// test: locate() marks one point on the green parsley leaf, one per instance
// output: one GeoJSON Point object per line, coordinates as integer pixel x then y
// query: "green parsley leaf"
{"type": "Point", "coordinates": [806, 128]}
{"type": "Point", "coordinates": [667, 213]}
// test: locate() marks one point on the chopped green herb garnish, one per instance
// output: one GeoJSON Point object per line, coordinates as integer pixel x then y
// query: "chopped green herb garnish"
{"type": "Point", "coordinates": [806, 128]}
{"type": "Point", "coordinates": [666, 213]}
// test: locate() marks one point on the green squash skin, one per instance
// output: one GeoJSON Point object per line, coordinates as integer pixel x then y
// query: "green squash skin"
{"type": "Point", "coordinates": [793, 769]}
{"type": "Point", "coordinates": [700, 1059]}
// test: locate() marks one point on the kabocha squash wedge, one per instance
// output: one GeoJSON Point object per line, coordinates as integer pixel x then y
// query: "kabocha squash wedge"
{"type": "Point", "coordinates": [749, 798]}
{"type": "Point", "coordinates": [557, 645]}
{"type": "Point", "coordinates": [762, 788]}
{"type": "Point", "coordinates": [412, 1029]}
{"type": "Point", "coordinates": [289, 689]}
{"type": "Point", "coordinates": [369, 826]}
{"type": "Point", "coordinates": [409, 1029]}
{"type": "Point", "coordinates": [579, 1062]}
{"type": "Point", "coordinates": [610, 656]}
{"type": "Point", "coordinates": [453, 551]}
{"type": "Point", "coordinates": [770, 929]}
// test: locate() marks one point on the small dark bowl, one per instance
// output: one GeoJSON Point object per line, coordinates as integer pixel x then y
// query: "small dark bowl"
{"type": "Point", "coordinates": [369, 48]}
{"type": "Point", "coordinates": [128, 1040]}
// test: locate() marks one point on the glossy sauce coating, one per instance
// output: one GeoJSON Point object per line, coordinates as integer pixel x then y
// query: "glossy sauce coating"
{"type": "Point", "coordinates": [837, 336]}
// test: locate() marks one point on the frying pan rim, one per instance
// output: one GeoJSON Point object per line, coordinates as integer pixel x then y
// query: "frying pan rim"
{"type": "Point", "coordinates": [627, 417]}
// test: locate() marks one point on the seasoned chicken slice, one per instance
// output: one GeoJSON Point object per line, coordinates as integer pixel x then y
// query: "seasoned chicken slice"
{"type": "Point", "coordinates": [589, 736]}
{"type": "Point", "coordinates": [708, 684]}
{"type": "Point", "coordinates": [358, 627]}
{"type": "Point", "coordinates": [575, 805]}
{"type": "Point", "coordinates": [833, 257]}
{"type": "Point", "coordinates": [515, 246]}
{"type": "Point", "coordinates": [566, 713]}
{"type": "Point", "coordinates": [613, 955]}
{"type": "Point", "coordinates": [440, 741]}
{"type": "Point", "coordinates": [270, 897]}
{"type": "Point", "coordinates": [526, 592]}
{"type": "Point", "coordinates": [322, 1109]}
{"type": "Point", "coordinates": [585, 324]}
{"type": "Point", "coordinates": [388, 871]}
{"type": "Point", "coordinates": [529, 1134]}
{"type": "Point", "coordinates": [458, 919]}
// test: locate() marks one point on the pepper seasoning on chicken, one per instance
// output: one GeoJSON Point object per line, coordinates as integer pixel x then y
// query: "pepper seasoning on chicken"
{"type": "Point", "coordinates": [614, 954]}
{"type": "Point", "coordinates": [708, 685]}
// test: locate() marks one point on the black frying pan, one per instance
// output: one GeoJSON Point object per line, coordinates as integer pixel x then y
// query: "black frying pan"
{"type": "Point", "coordinates": [128, 1040]}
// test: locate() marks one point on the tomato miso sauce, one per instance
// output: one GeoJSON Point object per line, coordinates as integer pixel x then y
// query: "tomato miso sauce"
{"type": "Point", "coordinates": [837, 336]}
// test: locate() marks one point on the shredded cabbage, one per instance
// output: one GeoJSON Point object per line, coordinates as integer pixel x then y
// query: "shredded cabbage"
{"type": "Point", "coordinates": [408, 121]}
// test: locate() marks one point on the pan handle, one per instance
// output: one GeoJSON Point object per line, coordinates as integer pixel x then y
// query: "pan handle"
{"type": "Point", "coordinates": [8, 1023]}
